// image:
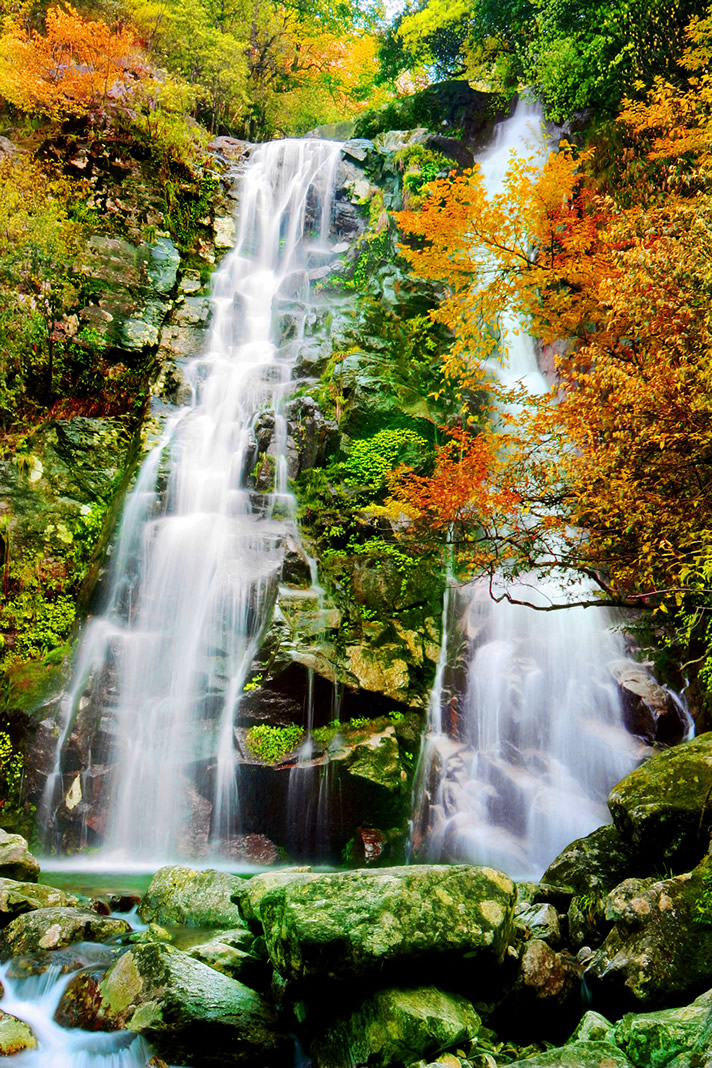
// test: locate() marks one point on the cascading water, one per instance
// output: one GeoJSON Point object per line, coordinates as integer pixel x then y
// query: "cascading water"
{"type": "Point", "coordinates": [198, 558]}
{"type": "Point", "coordinates": [526, 734]}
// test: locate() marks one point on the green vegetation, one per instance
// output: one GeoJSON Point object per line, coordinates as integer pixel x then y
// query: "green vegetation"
{"type": "Point", "coordinates": [272, 744]}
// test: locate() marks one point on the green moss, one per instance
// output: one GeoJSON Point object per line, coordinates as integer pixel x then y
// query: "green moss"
{"type": "Point", "coordinates": [271, 744]}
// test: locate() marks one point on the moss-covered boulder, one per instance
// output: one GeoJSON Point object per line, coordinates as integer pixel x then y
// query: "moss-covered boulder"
{"type": "Point", "coordinates": [594, 864]}
{"type": "Point", "coordinates": [232, 953]}
{"type": "Point", "coordinates": [659, 949]}
{"type": "Point", "coordinates": [420, 920]}
{"type": "Point", "coordinates": [577, 1055]}
{"type": "Point", "coordinates": [15, 1035]}
{"type": "Point", "coordinates": [662, 808]}
{"type": "Point", "coordinates": [397, 1027]}
{"type": "Point", "coordinates": [191, 1013]}
{"type": "Point", "coordinates": [17, 897]}
{"type": "Point", "coordinates": [16, 861]}
{"type": "Point", "coordinates": [53, 928]}
{"type": "Point", "coordinates": [654, 1039]}
{"type": "Point", "coordinates": [193, 898]}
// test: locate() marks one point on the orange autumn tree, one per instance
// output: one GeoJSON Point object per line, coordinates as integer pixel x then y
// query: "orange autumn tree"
{"type": "Point", "coordinates": [75, 67]}
{"type": "Point", "coordinates": [610, 473]}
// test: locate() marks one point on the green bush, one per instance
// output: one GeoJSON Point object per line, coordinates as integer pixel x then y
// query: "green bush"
{"type": "Point", "coordinates": [273, 743]}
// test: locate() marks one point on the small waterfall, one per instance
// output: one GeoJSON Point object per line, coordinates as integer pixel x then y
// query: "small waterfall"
{"type": "Point", "coordinates": [526, 734]}
{"type": "Point", "coordinates": [197, 562]}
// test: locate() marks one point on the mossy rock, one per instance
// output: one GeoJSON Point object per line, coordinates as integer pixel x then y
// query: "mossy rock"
{"type": "Point", "coordinates": [577, 1055]}
{"type": "Point", "coordinates": [423, 920]}
{"type": "Point", "coordinates": [16, 861]}
{"type": "Point", "coordinates": [15, 1035]}
{"type": "Point", "coordinates": [660, 946]}
{"type": "Point", "coordinates": [664, 807]}
{"type": "Point", "coordinates": [193, 898]}
{"type": "Point", "coordinates": [397, 1027]}
{"type": "Point", "coordinates": [17, 898]}
{"type": "Point", "coordinates": [594, 864]}
{"type": "Point", "coordinates": [653, 1039]}
{"type": "Point", "coordinates": [191, 1013]}
{"type": "Point", "coordinates": [56, 927]}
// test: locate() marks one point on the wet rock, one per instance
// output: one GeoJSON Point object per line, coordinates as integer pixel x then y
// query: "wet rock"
{"type": "Point", "coordinates": [593, 1028]}
{"type": "Point", "coordinates": [422, 919]}
{"type": "Point", "coordinates": [225, 233]}
{"type": "Point", "coordinates": [17, 897]}
{"type": "Point", "coordinates": [397, 1027]}
{"type": "Point", "coordinates": [15, 1036]}
{"type": "Point", "coordinates": [180, 895]}
{"type": "Point", "coordinates": [189, 1012]}
{"type": "Point", "coordinates": [662, 808]}
{"type": "Point", "coordinates": [53, 928]}
{"type": "Point", "coordinates": [550, 977]}
{"type": "Point", "coordinates": [657, 951]}
{"type": "Point", "coordinates": [577, 1055]}
{"type": "Point", "coordinates": [650, 711]}
{"type": "Point", "coordinates": [16, 861]}
{"type": "Point", "coordinates": [229, 953]}
{"type": "Point", "coordinates": [253, 849]}
{"type": "Point", "coordinates": [369, 846]}
{"type": "Point", "coordinates": [594, 864]}
{"type": "Point", "coordinates": [653, 1039]}
{"type": "Point", "coordinates": [539, 921]}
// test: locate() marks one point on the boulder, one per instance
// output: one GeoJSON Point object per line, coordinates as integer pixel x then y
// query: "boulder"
{"type": "Point", "coordinates": [419, 920]}
{"type": "Point", "coordinates": [653, 1039]}
{"type": "Point", "coordinates": [593, 1027]}
{"type": "Point", "coordinates": [663, 807]}
{"type": "Point", "coordinates": [538, 921]}
{"type": "Point", "coordinates": [189, 1012]}
{"type": "Point", "coordinates": [577, 1055]}
{"type": "Point", "coordinates": [649, 710]}
{"type": "Point", "coordinates": [180, 895]}
{"type": "Point", "coordinates": [660, 946]}
{"type": "Point", "coordinates": [15, 1035]}
{"type": "Point", "coordinates": [17, 897]}
{"type": "Point", "coordinates": [16, 861]}
{"type": "Point", "coordinates": [230, 952]}
{"type": "Point", "coordinates": [396, 1027]}
{"type": "Point", "coordinates": [594, 864]}
{"type": "Point", "coordinates": [53, 928]}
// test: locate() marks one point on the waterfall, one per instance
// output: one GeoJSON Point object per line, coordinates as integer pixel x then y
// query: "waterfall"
{"type": "Point", "coordinates": [525, 736]}
{"type": "Point", "coordinates": [198, 558]}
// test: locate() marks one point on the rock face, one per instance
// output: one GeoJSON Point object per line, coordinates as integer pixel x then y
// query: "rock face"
{"type": "Point", "coordinates": [191, 1013]}
{"type": "Point", "coordinates": [662, 808]}
{"type": "Point", "coordinates": [397, 1027]}
{"type": "Point", "coordinates": [16, 861]}
{"type": "Point", "coordinates": [52, 928]}
{"type": "Point", "coordinates": [179, 895]}
{"type": "Point", "coordinates": [424, 919]}
{"type": "Point", "coordinates": [650, 711]}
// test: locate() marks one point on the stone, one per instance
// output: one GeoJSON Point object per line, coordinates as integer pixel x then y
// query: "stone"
{"type": "Point", "coordinates": [53, 928]}
{"type": "Point", "coordinates": [422, 920]}
{"type": "Point", "coordinates": [16, 861]}
{"type": "Point", "coordinates": [181, 895]}
{"type": "Point", "coordinates": [657, 951]}
{"type": "Point", "coordinates": [15, 1035]}
{"type": "Point", "coordinates": [189, 1012]}
{"type": "Point", "coordinates": [649, 710]}
{"type": "Point", "coordinates": [653, 1039]}
{"type": "Point", "coordinates": [539, 921]}
{"type": "Point", "coordinates": [662, 808]}
{"type": "Point", "coordinates": [224, 230]}
{"type": "Point", "coordinates": [593, 1028]}
{"type": "Point", "coordinates": [234, 960]}
{"type": "Point", "coordinates": [17, 897]}
{"type": "Point", "coordinates": [594, 864]}
{"type": "Point", "coordinates": [577, 1055]}
{"type": "Point", "coordinates": [396, 1027]}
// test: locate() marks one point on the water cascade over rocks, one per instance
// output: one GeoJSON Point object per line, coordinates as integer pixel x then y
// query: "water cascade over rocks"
{"type": "Point", "coordinates": [198, 557]}
{"type": "Point", "coordinates": [526, 734]}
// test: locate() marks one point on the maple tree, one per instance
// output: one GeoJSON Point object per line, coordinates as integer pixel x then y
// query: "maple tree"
{"type": "Point", "coordinates": [609, 472]}
{"type": "Point", "coordinates": [76, 66]}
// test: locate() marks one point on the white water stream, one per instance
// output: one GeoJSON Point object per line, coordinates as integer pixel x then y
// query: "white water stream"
{"type": "Point", "coordinates": [198, 557]}
{"type": "Point", "coordinates": [34, 1001]}
{"type": "Point", "coordinates": [524, 747]}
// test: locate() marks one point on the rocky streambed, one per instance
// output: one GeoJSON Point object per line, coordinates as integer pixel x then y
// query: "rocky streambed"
{"type": "Point", "coordinates": [606, 961]}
